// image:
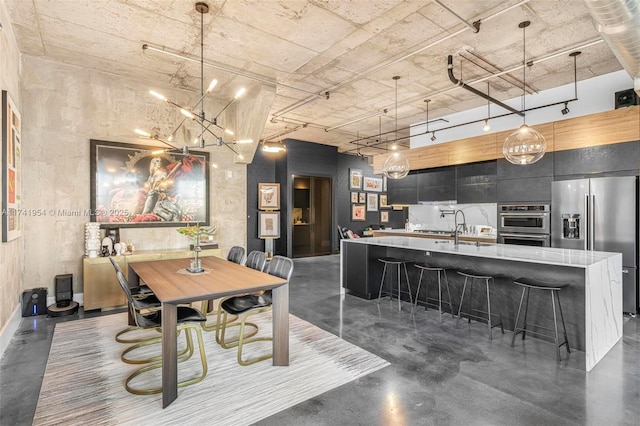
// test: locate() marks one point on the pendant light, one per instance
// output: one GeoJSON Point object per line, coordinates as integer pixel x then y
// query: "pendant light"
{"type": "Point", "coordinates": [396, 166]}
{"type": "Point", "coordinates": [486, 126]}
{"type": "Point", "coordinates": [525, 145]}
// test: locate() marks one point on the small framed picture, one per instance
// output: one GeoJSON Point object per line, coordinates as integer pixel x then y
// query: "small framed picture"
{"type": "Point", "coordinates": [268, 196]}
{"type": "Point", "coordinates": [362, 197]}
{"type": "Point", "coordinates": [384, 216]}
{"type": "Point", "coordinates": [355, 179]}
{"type": "Point", "coordinates": [358, 212]}
{"type": "Point", "coordinates": [372, 202]}
{"type": "Point", "coordinates": [354, 197]}
{"type": "Point", "coordinates": [372, 184]}
{"type": "Point", "coordinates": [383, 201]}
{"type": "Point", "coordinates": [268, 224]}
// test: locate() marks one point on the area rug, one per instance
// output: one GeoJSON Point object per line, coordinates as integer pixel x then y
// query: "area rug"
{"type": "Point", "coordinates": [84, 379]}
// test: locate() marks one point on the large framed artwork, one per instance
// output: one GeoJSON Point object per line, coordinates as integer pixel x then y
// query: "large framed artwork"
{"type": "Point", "coordinates": [139, 186]}
{"type": "Point", "coordinates": [268, 196]}
{"type": "Point", "coordinates": [10, 123]}
{"type": "Point", "coordinates": [372, 184]}
{"type": "Point", "coordinates": [269, 224]}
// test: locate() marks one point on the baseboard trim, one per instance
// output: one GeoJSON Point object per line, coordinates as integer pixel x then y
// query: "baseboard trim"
{"type": "Point", "coordinates": [10, 329]}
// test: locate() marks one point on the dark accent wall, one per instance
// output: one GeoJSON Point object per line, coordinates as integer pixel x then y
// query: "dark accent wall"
{"type": "Point", "coordinates": [261, 169]}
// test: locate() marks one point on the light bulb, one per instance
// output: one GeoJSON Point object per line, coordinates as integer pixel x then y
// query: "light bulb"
{"type": "Point", "coordinates": [212, 85]}
{"type": "Point", "coordinates": [187, 114]}
{"type": "Point", "coordinates": [142, 133]}
{"type": "Point", "coordinates": [228, 131]}
{"type": "Point", "coordinates": [158, 95]}
{"type": "Point", "coordinates": [242, 141]}
{"type": "Point", "coordinates": [240, 93]}
{"type": "Point", "coordinates": [394, 147]}
{"type": "Point", "coordinates": [486, 126]}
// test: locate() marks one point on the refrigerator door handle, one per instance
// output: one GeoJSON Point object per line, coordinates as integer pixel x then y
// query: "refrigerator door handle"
{"type": "Point", "coordinates": [588, 221]}
{"type": "Point", "coordinates": [592, 222]}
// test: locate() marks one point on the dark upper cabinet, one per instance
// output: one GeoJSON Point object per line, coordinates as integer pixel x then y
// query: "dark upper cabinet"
{"type": "Point", "coordinates": [542, 168]}
{"type": "Point", "coordinates": [620, 157]}
{"type": "Point", "coordinates": [476, 183]}
{"type": "Point", "coordinates": [437, 184]}
{"type": "Point", "coordinates": [403, 191]}
{"type": "Point", "coordinates": [522, 184]}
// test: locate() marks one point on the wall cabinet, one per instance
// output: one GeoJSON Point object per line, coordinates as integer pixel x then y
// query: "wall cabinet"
{"type": "Point", "coordinates": [532, 183]}
{"type": "Point", "coordinates": [403, 191]}
{"type": "Point", "coordinates": [476, 183]}
{"type": "Point", "coordinates": [437, 184]}
{"type": "Point", "coordinates": [619, 157]}
{"type": "Point", "coordinates": [101, 287]}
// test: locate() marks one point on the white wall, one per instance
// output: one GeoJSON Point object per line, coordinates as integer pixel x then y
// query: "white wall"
{"type": "Point", "coordinates": [63, 108]}
{"type": "Point", "coordinates": [429, 216]}
{"type": "Point", "coordinates": [11, 258]}
{"type": "Point", "coordinates": [594, 95]}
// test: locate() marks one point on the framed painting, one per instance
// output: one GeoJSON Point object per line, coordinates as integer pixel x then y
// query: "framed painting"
{"type": "Point", "coordinates": [269, 224]}
{"type": "Point", "coordinates": [355, 179]}
{"type": "Point", "coordinates": [383, 201]}
{"type": "Point", "coordinates": [372, 202]}
{"type": "Point", "coordinates": [362, 197]}
{"type": "Point", "coordinates": [10, 123]}
{"type": "Point", "coordinates": [354, 197]}
{"type": "Point", "coordinates": [358, 212]}
{"type": "Point", "coordinates": [141, 186]}
{"type": "Point", "coordinates": [372, 184]}
{"type": "Point", "coordinates": [268, 196]}
{"type": "Point", "coordinates": [384, 216]}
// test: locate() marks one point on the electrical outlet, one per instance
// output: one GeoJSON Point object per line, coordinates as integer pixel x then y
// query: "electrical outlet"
{"type": "Point", "coordinates": [229, 174]}
{"type": "Point", "coordinates": [427, 253]}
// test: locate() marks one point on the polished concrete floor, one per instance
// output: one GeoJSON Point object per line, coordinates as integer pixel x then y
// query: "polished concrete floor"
{"type": "Point", "coordinates": [439, 375]}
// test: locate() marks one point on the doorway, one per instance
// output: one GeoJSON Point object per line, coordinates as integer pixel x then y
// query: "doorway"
{"type": "Point", "coordinates": [311, 215]}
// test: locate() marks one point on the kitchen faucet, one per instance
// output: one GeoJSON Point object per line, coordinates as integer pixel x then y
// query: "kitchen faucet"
{"type": "Point", "coordinates": [444, 212]}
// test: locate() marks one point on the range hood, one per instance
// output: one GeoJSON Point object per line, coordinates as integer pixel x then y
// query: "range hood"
{"type": "Point", "coordinates": [618, 22]}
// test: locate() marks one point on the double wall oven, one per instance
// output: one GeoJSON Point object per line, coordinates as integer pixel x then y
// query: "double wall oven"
{"type": "Point", "coordinates": [524, 224]}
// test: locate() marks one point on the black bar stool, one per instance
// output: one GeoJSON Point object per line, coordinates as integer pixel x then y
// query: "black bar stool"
{"type": "Point", "coordinates": [394, 262]}
{"type": "Point", "coordinates": [475, 276]}
{"type": "Point", "coordinates": [439, 271]}
{"type": "Point", "coordinates": [554, 289]}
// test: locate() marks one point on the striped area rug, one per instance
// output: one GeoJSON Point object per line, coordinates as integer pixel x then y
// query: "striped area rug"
{"type": "Point", "coordinates": [83, 382]}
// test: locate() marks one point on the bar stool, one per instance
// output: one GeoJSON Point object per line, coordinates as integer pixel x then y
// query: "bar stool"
{"type": "Point", "coordinates": [475, 276]}
{"type": "Point", "coordinates": [394, 262]}
{"type": "Point", "coordinates": [554, 289]}
{"type": "Point", "coordinates": [439, 271]}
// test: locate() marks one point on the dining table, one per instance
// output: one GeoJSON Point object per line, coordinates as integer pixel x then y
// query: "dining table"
{"type": "Point", "coordinates": [173, 284]}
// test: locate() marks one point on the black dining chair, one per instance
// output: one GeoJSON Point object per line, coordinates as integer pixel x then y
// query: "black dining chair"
{"type": "Point", "coordinates": [249, 305]}
{"type": "Point", "coordinates": [188, 319]}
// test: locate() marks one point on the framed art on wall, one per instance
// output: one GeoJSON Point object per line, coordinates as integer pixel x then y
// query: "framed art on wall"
{"type": "Point", "coordinates": [138, 186]}
{"type": "Point", "coordinates": [268, 196]}
{"type": "Point", "coordinates": [384, 216]}
{"type": "Point", "coordinates": [372, 202]}
{"type": "Point", "coordinates": [354, 197]}
{"type": "Point", "coordinates": [269, 224]}
{"type": "Point", "coordinates": [362, 197]}
{"type": "Point", "coordinates": [372, 184]}
{"type": "Point", "coordinates": [383, 201]}
{"type": "Point", "coordinates": [355, 179]}
{"type": "Point", "coordinates": [358, 212]}
{"type": "Point", "coordinates": [10, 123]}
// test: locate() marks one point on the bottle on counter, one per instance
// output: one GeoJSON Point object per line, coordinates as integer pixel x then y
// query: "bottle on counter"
{"type": "Point", "coordinates": [407, 226]}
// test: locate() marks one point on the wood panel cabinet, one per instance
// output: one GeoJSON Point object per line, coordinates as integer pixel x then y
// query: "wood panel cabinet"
{"type": "Point", "coordinates": [101, 287]}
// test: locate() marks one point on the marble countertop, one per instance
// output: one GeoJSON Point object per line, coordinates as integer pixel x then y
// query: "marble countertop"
{"type": "Point", "coordinates": [542, 255]}
{"type": "Point", "coordinates": [463, 237]}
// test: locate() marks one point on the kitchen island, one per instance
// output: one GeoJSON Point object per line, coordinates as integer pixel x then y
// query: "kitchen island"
{"type": "Point", "coordinates": [592, 304]}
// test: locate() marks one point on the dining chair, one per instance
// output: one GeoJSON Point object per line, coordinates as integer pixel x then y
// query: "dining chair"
{"type": "Point", "coordinates": [235, 255]}
{"type": "Point", "coordinates": [249, 305]}
{"type": "Point", "coordinates": [256, 260]}
{"type": "Point", "coordinates": [146, 297]}
{"type": "Point", "coordinates": [187, 319]}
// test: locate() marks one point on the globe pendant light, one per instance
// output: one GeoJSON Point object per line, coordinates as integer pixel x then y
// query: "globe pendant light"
{"type": "Point", "coordinates": [526, 145]}
{"type": "Point", "coordinates": [396, 166]}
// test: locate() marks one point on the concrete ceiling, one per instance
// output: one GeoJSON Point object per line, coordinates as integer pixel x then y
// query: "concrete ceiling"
{"type": "Point", "coordinates": [350, 49]}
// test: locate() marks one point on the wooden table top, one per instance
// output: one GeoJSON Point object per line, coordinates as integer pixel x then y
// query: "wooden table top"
{"type": "Point", "coordinates": [225, 278]}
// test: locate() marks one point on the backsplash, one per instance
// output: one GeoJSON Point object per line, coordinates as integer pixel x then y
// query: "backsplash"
{"type": "Point", "coordinates": [430, 216]}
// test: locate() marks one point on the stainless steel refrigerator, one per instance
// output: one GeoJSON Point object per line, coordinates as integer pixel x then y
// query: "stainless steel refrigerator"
{"type": "Point", "coordinates": [600, 214]}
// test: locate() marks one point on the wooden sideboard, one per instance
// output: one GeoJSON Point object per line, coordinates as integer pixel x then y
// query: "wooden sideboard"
{"type": "Point", "coordinates": [101, 287]}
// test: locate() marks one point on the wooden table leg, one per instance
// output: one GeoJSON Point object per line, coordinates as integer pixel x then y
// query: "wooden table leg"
{"type": "Point", "coordinates": [280, 302]}
{"type": "Point", "coordinates": [169, 354]}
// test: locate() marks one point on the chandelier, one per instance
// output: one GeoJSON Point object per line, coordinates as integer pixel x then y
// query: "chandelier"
{"type": "Point", "coordinates": [206, 126]}
{"type": "Point", "coordinates": [525, 145]}
{"type": "Point", "coordinates": [396, 165]}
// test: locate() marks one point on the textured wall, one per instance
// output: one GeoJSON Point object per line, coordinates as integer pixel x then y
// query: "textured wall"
{"type": "Point", "coordinates": [11, 253]}
{"type": "Point", "coordinates": [65, 107]}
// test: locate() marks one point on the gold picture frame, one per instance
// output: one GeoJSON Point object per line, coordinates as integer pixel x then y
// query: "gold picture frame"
{"type": "Point", "coordinates": [269, 224]}
{"type": "Point", "coordinates": [384, 216]}
{"type": "Point", "coordinates": [383, 201]}
{"type": "Point", "coordinates": [268, 196]}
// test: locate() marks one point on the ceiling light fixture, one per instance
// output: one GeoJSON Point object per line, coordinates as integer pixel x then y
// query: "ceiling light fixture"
{"type": "Point", "coordinates": [274, 147]}
{"type": "Point", "coordinates": [565, 110]}
{"type": "Point", "coordinates": [486, 126]}
{"type": "Point", "coordinates": [433, 136]}
{"type": "Point", "coordinates": [200, 118]}
{"type": "Point", "coordinates": [396, 166]}
{"type": "Point", "coordinates": [525, 145]}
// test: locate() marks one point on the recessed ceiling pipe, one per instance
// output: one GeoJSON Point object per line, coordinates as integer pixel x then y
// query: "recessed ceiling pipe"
{"type": "Point", "coordinates": [455, 81]}
{"type": "Point", "coordinates": [475, 27]}
{"type": "Point", "coordinates": [618, 22]}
